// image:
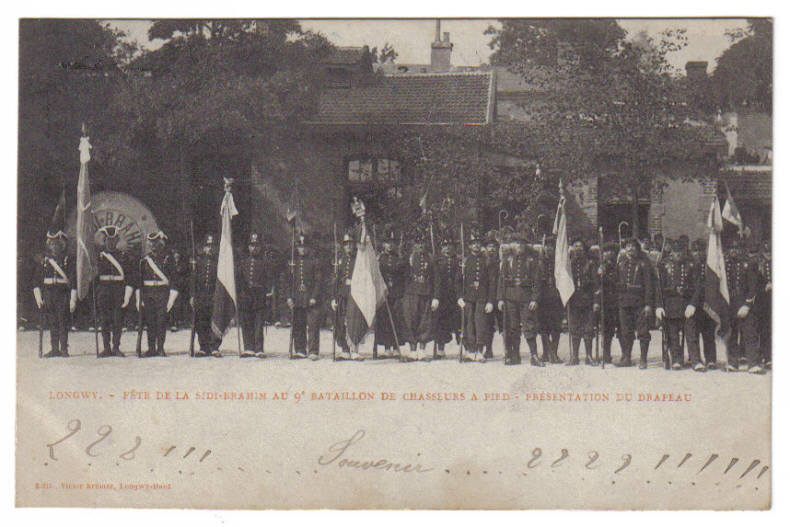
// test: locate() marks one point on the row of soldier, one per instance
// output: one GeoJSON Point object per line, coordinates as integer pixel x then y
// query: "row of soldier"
{"type": "Point", "coordinates": [504, 283]}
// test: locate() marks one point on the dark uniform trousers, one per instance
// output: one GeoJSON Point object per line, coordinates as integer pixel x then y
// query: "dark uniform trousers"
{"type": "Point", "coordinates": [306, 327]}
{"type": "Point", "coordinates": [383, 334]}
{"type": "Point", "coordinates": [742, 285]}
{"type": "Point", "coordinates": [520, 319]}
{"type": "Point", "coordinates": [764, 312]}
{"type": "Point", "coordinates": [635, 288]}
{"type": "Point", "coordinates": [448, 314]}
{"type": "Point", "coordinates": [674, 326]}
{"type": "Point", "coordinates": [746, 328]}
{"type": "Point", "coordinates": [56, 309]}
{"type": "Point", "coordinates": [550, 313]}
{"type": "Point", "coordinates": [701, 324]}
{"type": "Point", "coordinates": [610, 321]}
{"type": "Point", "coordinates": [339, 322]}
{"type": "Point", "coordinates": [252, 310]}
{"type": "Point", "coordinates": [475, 325]}
{"type": "Point", "coordinates": [155, 315]}
{"type": "Point", "coordinates": [418, 319]}
{"type": "Point", "coordinates": [109, 298]}
{"type": "Point", "coordinates": [207, 341]}
{"type": "Point", "coordinates": [581, 319]}
{"type": "Point", "coordinates": [493, 320]}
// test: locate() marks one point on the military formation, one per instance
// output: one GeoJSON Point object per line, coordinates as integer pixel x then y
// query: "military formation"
{"type": "Point", "coordinates": [460, 295]}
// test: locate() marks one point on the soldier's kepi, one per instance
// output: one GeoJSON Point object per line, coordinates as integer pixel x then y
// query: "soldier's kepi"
{"type": "Point", "coordinates": [157, 290]}
{"type": "Point", "coordinates": [55, 292]}
{"type": "Point", "coordinates": [117, 274]}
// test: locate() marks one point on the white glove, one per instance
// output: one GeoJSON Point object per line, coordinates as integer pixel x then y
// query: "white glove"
{"type": "Point", "coordinates": [73, 301]}
{"type": "Point", "coordinates": [767, 287]}
{"type": "Point", "coordinates": [290, 303]}
{"type": "Point", "coordinates": [501, 305]}
{"type": "Point", "coordinates": [461, 303]}
{"type": "Point", "coordinates": [192, 302]}
{"type": "Point", "coordinates": [660, 313]}
{"type": "Point", "coordinates": [743, 311]}
{"type": "Point", "coordinates": [434, 304]}
{"type": "Point", "coordinates": [690, 310]}
{"type": "Point", "coordinates": [533, 306]}
{"type": "Point", "coordinates": [311, 301]}
{"type": "Point", "coordinates": [596, 307]}
{"type": "Point", "coordinates": [333, 304]}
{"type": "Point", "coordinates": [270, 293]}
{"type": "Point", "coordinates": [171, 300]}
{"type": "Point", "coordinates": [489, 307]}
{"type": "Point", "coordinates": [38, 297]}
{"type": "Point", "coordinates": [127, 296]}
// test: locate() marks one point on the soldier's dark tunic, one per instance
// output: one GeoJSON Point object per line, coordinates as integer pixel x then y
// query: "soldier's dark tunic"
{"type": "Point", "coordinates": [634, 293]}
{"type": "Point", "coordinates": [475, 294]}
{"type": "Point", "coordinates": [56, 285]}
{"type": "Point", "coordinates": [154, 292]}
{"type": "Point", "coordinates": [676, 290]}
{"type": "Point", "coordinates": [493, 319]}
{"type": "Point", "coordinates": [306, 283]}
{"type": "Point", "coordinates": [520, 283]}
{"type": "Point", "coordinates": [742, 286]}
{"type": "Point", "coordinates": [581, 318]}
{"type": "Point", "coordinates": [393, 270]}
{"type": "Point", "coordinates": [763, 306]}
{"type": "Point", "coordinates": [342, 287]}
{"type": "Point", "coordinates": [205, 282]}
{"type": "Point", "coordinates": [422, 285]}
{"type": "Point", "coordinates": [448, 315]}
{"type": "Point", "coordinates": [179, 315]}
{"type": "Point", "coordinates": [701, 323]}
{"type": "Point", "coordinates": [255, 283]}
{"type": "Point", "coordinates": [608, 302]}
{"type": "Point", "coordinates": [116, 272]}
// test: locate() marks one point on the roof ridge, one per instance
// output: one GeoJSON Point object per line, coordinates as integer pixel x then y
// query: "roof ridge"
{"type": "Point", "coordinates": [438, 74]}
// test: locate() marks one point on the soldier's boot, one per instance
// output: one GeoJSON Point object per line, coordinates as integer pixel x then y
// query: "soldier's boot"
{"type": "Point", "coordinates": [643, 347]}
{"type": "Point", "coordinates": [533, 353]}
{"type": "Point", "coordinates": [50, 354]}
{"type": "Point", "coordinates": [555, 357]}
{"type": "Point", "coordinates": [573, 360]}
{"type": "Point", "coordinates": [488, 353]}
{"type": "Point", "coordinates": [607, 350]}
{"type": "Point", "coordinates": [589, 360]}
{"type": "Point", "coordinates": [625, 360]}
{"type": "Point", "coordinates": [545, 355]}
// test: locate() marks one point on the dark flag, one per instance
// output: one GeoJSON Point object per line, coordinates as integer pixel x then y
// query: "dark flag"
{"type": "Point", "coordinates": [225, 299]}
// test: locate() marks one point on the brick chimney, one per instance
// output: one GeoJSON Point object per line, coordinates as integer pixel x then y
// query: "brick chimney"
{"type": "Point", "coordinates": [697, 70]}
{"type": "Point", "coordinates": [441, 50]}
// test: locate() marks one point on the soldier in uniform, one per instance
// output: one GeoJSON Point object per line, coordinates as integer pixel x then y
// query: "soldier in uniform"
{"type": "Point", "coordinates": [634, 301]}
{"type": "Point", "coordinates": [420, 299]}
{"type": "Point", "coordinates": [178, 315]}
{"type": "Point", "coordinates": [304, 300]}
{"type": "Point", "coordinates": [256, 289]}
{"type": "Point", "coordinates": [393, 270]}
{"type": "Point", "coordinates": [742, 286]}
{"type": "Point", "coordinates": [518, 294]}
{"type": "Point", "coordinates": [581, 316]}
{"type": "Point", "coordinates": [699, 323]}
{"type": "Point", "coordinates": [344, 267]}
{"type": "Point", "coordinates": [606, 300]}
{"type": "Point", "coordinates": [114, 288]}
{"type": "Point", "coordinates": [205, 269]}
{"type": "Point", "coordinates": [56, 292]}
{"type": "Point", "coordinates": [474, 299]}
{"type": "Point", "coordinates": [448, 316]}
{"type": "Point", "coordinates": [491, 319]}
{"type": "Point", "coordinates": [763, 302]}
{"type": "Point", "coordinates": [674, 303]}
{"type": "Point", "coordinates": [551, 309]}
{"type": "Point", "coordinates": [157, 290]}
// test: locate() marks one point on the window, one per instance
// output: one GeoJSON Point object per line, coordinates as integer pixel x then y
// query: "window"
{"type": "Point", "coordinates": [384, 171]}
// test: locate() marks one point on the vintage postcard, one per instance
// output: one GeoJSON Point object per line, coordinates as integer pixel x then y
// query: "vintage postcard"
{"type": "Point", "coordinates": [395, 263]}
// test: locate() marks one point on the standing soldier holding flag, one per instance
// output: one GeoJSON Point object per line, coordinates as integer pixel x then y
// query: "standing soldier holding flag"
{"type": "Point", "coordinates": [86, 252]}
{"type": "Point", "coordinates": [388, 318]}
{"type": "Point", "coordinates": [226, 300]}
{"type": "Point", "coordinates": [205, 279]}
{"type": "Point", "coordinates": [344, 266]}
{"type": "Point", "coordinates": [113, 290]}
{"type": "Point", "coordinates": [581, 315]}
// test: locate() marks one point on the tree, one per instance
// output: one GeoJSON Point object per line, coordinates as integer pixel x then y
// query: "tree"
{"type": "Point", "coordinates": [603, 103]}
{"type": "Point", "coordinates": [744, 71]}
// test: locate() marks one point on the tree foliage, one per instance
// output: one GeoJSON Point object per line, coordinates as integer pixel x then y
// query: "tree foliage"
{"type": "Point", "coordinates": [744, 71]}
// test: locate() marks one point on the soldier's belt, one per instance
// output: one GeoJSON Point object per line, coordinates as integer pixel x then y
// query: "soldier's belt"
{"type": "Point", "coordinates": [55, 281]}
{"type": "Point", "coordinates": [110, 278]}
{"type": "Point", "coordinates": [155, 283]}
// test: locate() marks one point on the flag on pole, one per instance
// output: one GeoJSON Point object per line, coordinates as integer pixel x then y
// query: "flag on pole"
{"type": "Point", "coordinates": [368, 291]}
{"type": "Point", "coordinates": [730, 212]}
{"type": "Point", "coordinates": [562, 261]}
{"type": "Point", "coordinates": [717, 296]}
{"type": "Point", "coordinates": [86, 250]}
{"type": "Point", "coordinates": [225, 299]}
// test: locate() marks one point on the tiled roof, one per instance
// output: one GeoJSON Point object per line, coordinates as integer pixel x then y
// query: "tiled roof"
{"type": "Point", "coordinates": [749, 185]}
{"type": "Point", "coordinates": [441, 98]}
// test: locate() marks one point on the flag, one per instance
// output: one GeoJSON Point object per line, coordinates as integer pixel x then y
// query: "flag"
{"type": "Point", "coordinates": [562, 261]}
{"type": "Point", "coordinates": [368, 291]}
{"type": "Point", "coordinates": [225, 299]}
{"type": "Point", "coordinates": [717, 297]}
{"type": "Point", "coordinates": [86, 251]}
{"type": "Point", "coordinates": [730, 212]}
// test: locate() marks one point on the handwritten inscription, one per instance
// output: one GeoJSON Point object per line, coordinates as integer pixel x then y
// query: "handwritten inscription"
{"type": "Point", "coordinates": [339, 449]}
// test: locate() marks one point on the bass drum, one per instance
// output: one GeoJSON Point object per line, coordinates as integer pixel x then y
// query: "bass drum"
{"type": "Point", "coordinates": [132, 218]}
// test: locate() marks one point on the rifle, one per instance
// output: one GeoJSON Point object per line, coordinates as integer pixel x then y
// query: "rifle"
{"type": "Point", "coordinates": [334, 293]}
{"type": "Point", "coordinates": [433, 257]}
{"type": "Point", "coordinates": [192, 287]}
{"type": "Point", "coordinates": [40, 332]}
{"type": "Point", "coordinates": [292, 263]}
{"type": "Point", "coordinates": [463, 290]}
{"type": "Point", "coordinates": [139, 347]}
{"type": "Point", "coordinates": [601, 322]}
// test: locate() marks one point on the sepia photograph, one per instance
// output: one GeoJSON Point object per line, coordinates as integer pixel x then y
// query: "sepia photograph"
{"type": "Point", "coordinates": [454, 263]}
